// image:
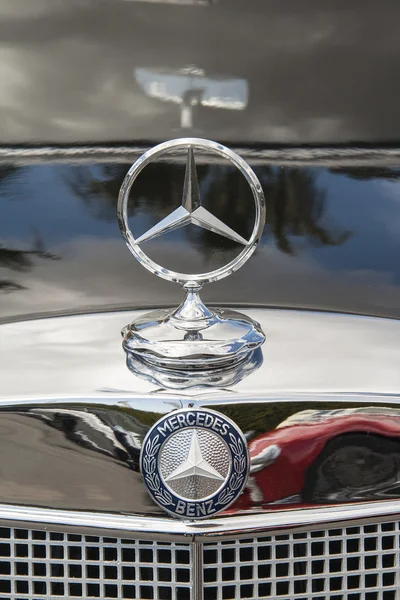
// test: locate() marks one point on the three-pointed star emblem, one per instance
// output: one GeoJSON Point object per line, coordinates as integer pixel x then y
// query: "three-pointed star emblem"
{"type": "Point", "coordinates": [194, 464]}
{"type": "Point", "coordinates": [191, 211]}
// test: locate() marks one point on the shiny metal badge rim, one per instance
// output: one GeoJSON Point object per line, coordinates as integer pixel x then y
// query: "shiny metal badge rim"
{"type": "Point", "coordinates": [199, 279]}
{"type": "Point", "coordinates": [225, 496]}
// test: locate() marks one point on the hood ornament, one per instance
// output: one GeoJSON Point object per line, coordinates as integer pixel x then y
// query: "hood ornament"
{"type": "Point", "coordinates": [192, 337]}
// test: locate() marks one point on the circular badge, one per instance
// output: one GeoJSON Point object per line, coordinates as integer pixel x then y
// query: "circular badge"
{"type": "Point", "coordinates": [194, 463]}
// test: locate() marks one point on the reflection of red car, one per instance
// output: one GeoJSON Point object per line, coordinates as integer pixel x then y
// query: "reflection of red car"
{"type": "Point", "coordinates": [327, 456]}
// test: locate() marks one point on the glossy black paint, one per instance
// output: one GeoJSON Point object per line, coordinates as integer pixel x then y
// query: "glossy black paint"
{"type": "Point", "coordinates": [109, 70]}
{"type": "Point", "coordinates": [331, 239]}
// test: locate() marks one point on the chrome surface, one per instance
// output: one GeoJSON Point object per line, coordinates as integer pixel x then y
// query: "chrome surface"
{"type": "Point", "coordinates": [87, 419]}
{"type": "Point", "coordinates": [43, 564]}
{"type": "Point", "coordinates": [342, 562]}
{"type": "Point", "coordinates": [191, 210]}
{"type": "Point", "coordinates": [192, 336]}
{"type": "Point", "coordinates": [331, 242]}
{"type": "Point", "coordinates": [312, 355]}
{"type": "Point", "coordinates": [357, 559]}
{"type": "Point", "coordinates": [91, 451]}
{"type": "Point", "coordinates": [198, 571]}
{"type": "Point", "coordinates": [181, 379]}
{"type": "Point", "coordinates": [232, 525]}
{"type": "Point", "coordinates": [193, 340]}
{"type": "Point", "coordinates": [195, 463]}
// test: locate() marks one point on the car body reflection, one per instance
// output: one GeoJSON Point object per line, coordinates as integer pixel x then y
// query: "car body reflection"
{"type": "Point", "coordinates": [314, 457]}
{"type": "Point", "coordinates": [109, 433]}
{"type": "Point", "coordinates": [328, 456]}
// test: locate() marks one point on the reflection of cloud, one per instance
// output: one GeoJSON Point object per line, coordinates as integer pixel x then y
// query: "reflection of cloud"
{"type": "Point", "coordinates": [59, 115]}
{"type": "Point", "coordinates": [315, 128]}
{"type": "Point", "coordinates": [98, 273]}
{"type": "Point", "coordinates": [19, 9]}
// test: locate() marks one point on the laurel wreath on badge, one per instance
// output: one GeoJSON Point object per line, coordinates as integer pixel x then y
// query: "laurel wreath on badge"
{"type": "Point", "coordinates": [237, 477]}
{"type": "Point", "coordinates": [151, 477]}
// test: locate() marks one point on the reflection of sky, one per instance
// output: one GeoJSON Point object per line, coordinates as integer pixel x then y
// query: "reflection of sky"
{"type": "Point", "coordinates": [39, 201]}
{"type": "Point", "coordinates": [367, 209]}
{"type": "Point", "coordinates": [43, 202]}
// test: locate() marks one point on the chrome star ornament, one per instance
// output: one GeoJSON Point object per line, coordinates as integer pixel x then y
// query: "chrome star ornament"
{"type": "Point", "coordinates": [194, 463]}
{"type": "Point", "coordinates": [191, 211]}
{"type": "Point", "coordinates": [192, 337]}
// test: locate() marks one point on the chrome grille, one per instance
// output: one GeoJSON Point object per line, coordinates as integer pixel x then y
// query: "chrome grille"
{"type": "Point", "coordinates": [356, 563]}
{"type": "Point", "coordinates": [38, 564]}
{"type": "Point", "coordinates": [352, 563]}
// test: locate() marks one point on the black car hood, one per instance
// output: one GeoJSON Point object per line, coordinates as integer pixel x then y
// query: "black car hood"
{"type": "Point", "coordinates": [331, 240]}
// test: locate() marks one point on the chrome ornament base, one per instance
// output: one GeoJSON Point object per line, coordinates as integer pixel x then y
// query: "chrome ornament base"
{"type": "Point", "coordinates": [182, 378]}
{"type": "Point", "coordinates": [194, 336]}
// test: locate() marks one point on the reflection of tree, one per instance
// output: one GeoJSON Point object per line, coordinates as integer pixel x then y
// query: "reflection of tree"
{"type": "Point", "coordinates": [99, 189]}
{"type": "Point", "coordinates": [296, 207]}
{"type": "Point", "coordinates": [295, 201]}
{"type": "Point", "coordinates": [21, 261]}
{"type": "Point", "coordinates": [12, 258]}
{"type": "Point", "coordinates": [8, 172]}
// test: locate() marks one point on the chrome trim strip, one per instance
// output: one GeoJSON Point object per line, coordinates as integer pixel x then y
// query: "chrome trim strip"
{"type": "Point", "coordinates": [229, 526]}
{"type": "Point", "coordinates": [204, 398]}
{"type": "Point", "coordinates": [328, 156]}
